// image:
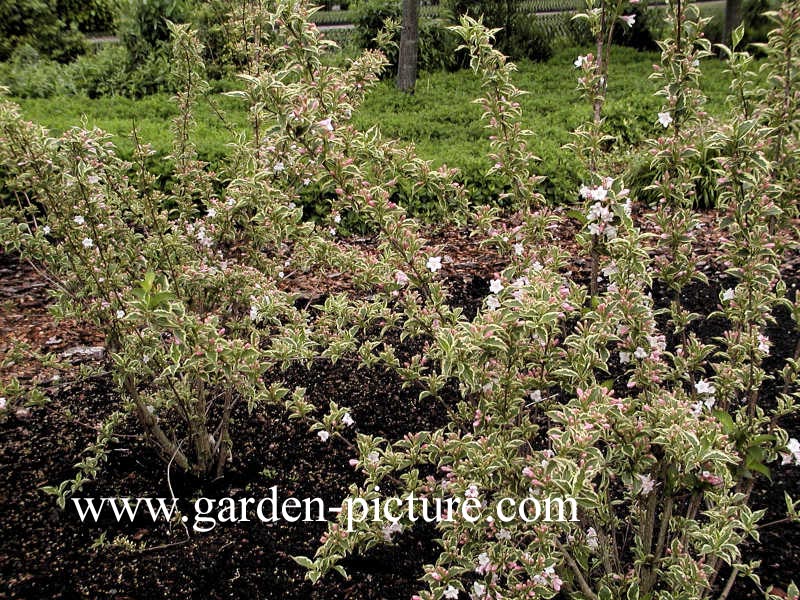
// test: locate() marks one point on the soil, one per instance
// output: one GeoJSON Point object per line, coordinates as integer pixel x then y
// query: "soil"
{"type": "Point", "coordinates": [46, 552]}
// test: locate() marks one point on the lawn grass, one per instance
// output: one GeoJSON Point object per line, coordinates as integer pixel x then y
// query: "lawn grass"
{"type": "Point", "coordinates": [440, 118]}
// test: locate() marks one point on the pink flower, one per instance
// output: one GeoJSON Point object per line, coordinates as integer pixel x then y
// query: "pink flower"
{"type": "Point", "coordinates": [326, 124]}
{"type": "Point", "coordinates": [484, 564]}
{"type": "Point", "coordinates": [647, 484]}
{"type": "Point", "coordinates": [709, 477]}
{"type": "Point", "coordinates": [629, 19]}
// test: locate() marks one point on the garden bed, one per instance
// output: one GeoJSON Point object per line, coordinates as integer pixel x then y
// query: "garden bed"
{"type": "Point", "coordinates": [47, 552]}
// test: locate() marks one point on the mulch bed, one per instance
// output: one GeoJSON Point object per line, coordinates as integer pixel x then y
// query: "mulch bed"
{"type": "Point", "coordinates": [47, 553]}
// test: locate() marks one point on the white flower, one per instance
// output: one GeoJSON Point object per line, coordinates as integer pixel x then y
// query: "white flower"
{"type": "Point", "coordinates": [793, 446]}
{"type": "Point", "coordinates": [120, 314]}
{"type": "Point", "coordinates": [627, 207]}
{"type": "Point", "coordinates": [278, 167]}
{"type": "Point", "coordinates": [202, 237]}
{"type": "Point", "coordinates": [518, 249]}
{"type": "Point", "coordinates": [763, 344]}
{"type": "Point", "coordinates": [46, 230]}
{"type": "Point", "coordinates": [332, 231]}
{"type": "Point", "coordinates": [306, 181]}
{"type": "Point", "coordinates": [598, 212]}
{"type": "Point", "coordinates": [450, 593]}
{"type": "Point", "coordinates": [434, 263]}
{"type": "Point", "coordinates": [3, 403]}
{"type": "Point", "coordinates": [598, 194]}
{"type": "Point", "coordinates": [647, 483]}
{"type": "Point", "coordinates": [254, 313]}
{"type": "Point", "coordinates": [323, 435]}
{"type": "Point", "coordinates": [695, 63]}
{"type": "Point", "coordinates": [705, 387]}
{"type": "Point", "coordinates": [535, 396]}
{"type": "Point", "coordinates": [504, 534]}
{"type": "Point", "coordinates": [657, 342]}
{"type": "Point", "coordinates": [728, 295]}
{"type": "Point", "coordinates": [665, 119]}
{"type": "Point", "coordinates": [326, 124]}
{"type": "Point", "coordinates": [594, 229]}
{"type": "Point", "coordinates": [472, 491]}
{"type": "Point", "coordinates": [79, 220]}
{"type": "Point", "coordinates": [87, 242]}
{"type": "Point", "coordinates": [373, 457]}
{"type": "Point", "coordinates": [478, 591]}
{"type": "Point", "coordinates": [629, 19]}
{"type": "Point", "coordinates": [483, 563]}
{"type": "Point", "coordinates": [390, 529]}
{"type": "Point", "coordinates": [212, 212]}
{"type": "Point", "coordinates": [347, 420]}
{"type": "Point", "coordinates": [337, 218]}
{"type": "Point", "coordinates": [624, 357]}
{"type": "Point", "coordinates": [591, 539]}
{"type": "Point", "coordinates": [496, 286]}
{"type": "Point", "coordinates": [492, 302]}
{"type": "Point", "coordinates": [641, 353]}
{"type": "Point", "coordinates": [579, 62]}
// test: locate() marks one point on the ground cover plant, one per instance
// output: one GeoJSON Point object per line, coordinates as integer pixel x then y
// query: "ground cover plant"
{"type": "Point", "coordinates": [639, 360]}
{"type": "Point", "coordinates": [440, 111]}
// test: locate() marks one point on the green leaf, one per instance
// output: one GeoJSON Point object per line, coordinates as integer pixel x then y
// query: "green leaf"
{"type": "Point", "coordinates": [726, 420]}
{"type": "Point", "coordinates": [737, 35]}
{"type": "Point", "coordinates": [304, 561]}
{"type": "Point", "coordinates": [633, 591]}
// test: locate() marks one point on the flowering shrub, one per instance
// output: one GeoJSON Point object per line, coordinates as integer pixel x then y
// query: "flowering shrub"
{"type": "Point", "coordinates": [661, 458]}
{"type": "Point", "coordinates": [592, 392]}
{"type": "Point", "coordinates": [185, 283]}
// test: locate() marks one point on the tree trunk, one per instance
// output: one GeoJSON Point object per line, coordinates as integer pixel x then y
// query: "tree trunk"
{"type": "Point", "coordinates": [409, 40]}
{"type": "Point", "coordinates": [733, 18]}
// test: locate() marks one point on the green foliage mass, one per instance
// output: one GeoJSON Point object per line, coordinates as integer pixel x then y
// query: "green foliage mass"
{"type": "Point", "coordinates": [53, 28]}
{"type": "Point", "coordinates": [440, 118]}
{"type": "Point", "coordinates": [36, 23]}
